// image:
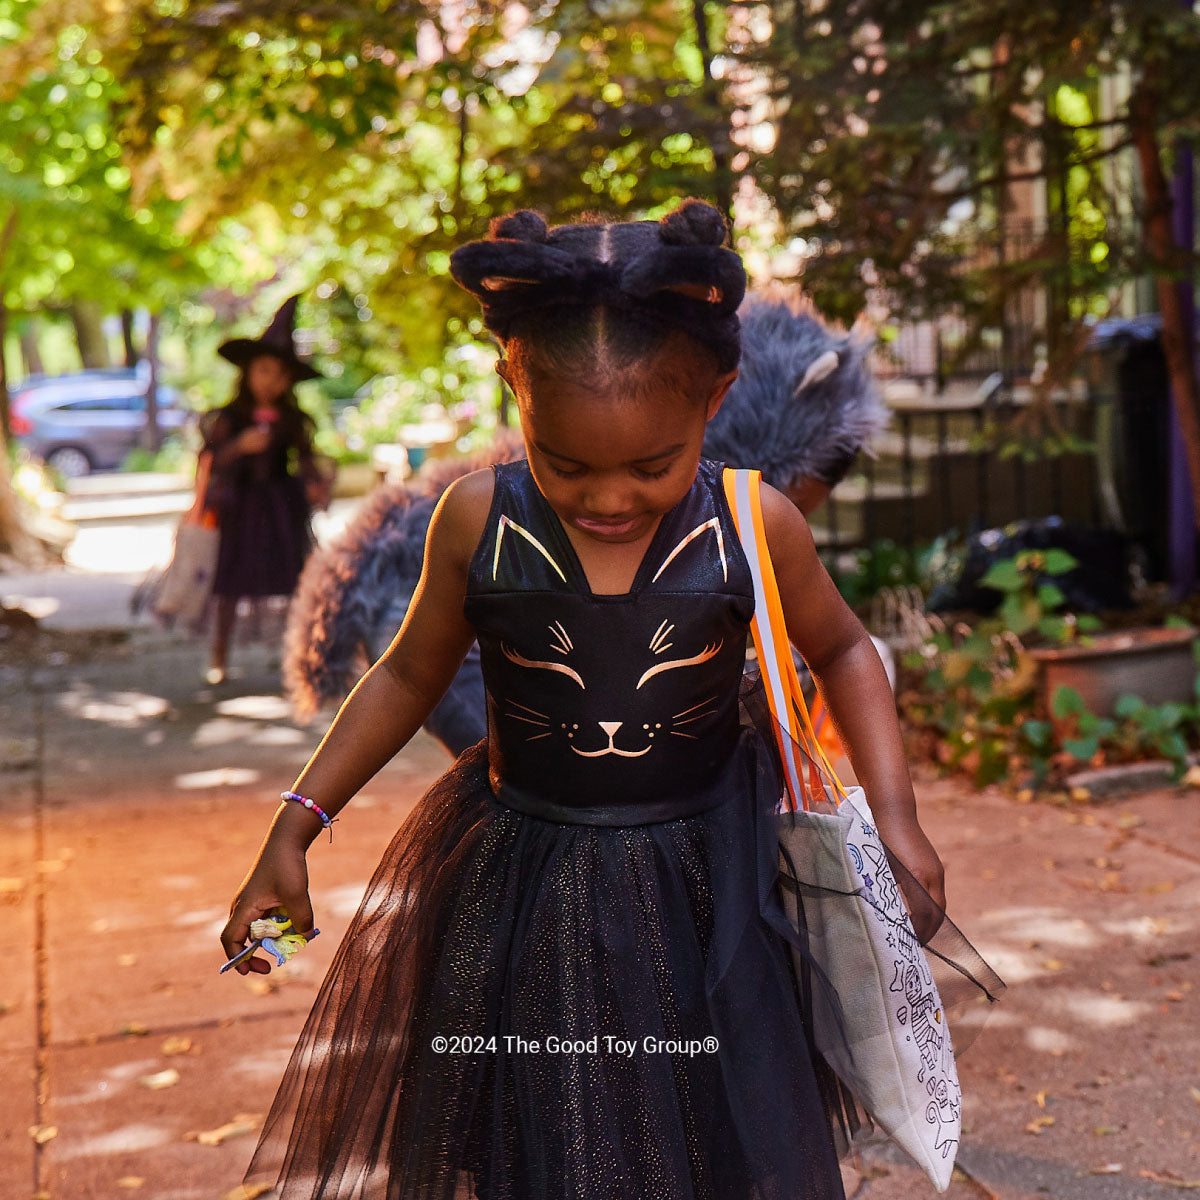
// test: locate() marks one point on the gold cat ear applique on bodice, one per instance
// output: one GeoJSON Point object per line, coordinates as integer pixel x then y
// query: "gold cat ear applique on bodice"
{"type": "Point", "coordinates": [600, 703]}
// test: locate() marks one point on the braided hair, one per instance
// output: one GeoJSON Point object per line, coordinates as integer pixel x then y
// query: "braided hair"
{"type": "Point", "coordinates": [599, 298]}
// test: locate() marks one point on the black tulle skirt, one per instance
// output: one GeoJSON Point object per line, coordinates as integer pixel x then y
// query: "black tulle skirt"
{"type": "Point", "coordinates": [527, 1010]}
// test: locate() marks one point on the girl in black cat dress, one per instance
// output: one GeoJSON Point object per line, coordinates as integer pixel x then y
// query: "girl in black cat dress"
{"type": "Point", "coordinates": [563, 982]}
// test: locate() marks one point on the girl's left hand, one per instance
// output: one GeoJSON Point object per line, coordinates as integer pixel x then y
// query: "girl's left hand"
{"type": "Point", "coordinates": [921, 863]}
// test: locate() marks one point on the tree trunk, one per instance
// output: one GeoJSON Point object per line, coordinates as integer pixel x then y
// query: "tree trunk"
{"type": "Point", "coordinates": [1178, 341]}
{"type": "Point", "coordinates": [5, 406]}
{"type": "Point", "coordinates": [721, 139]}
{"type": "Point", "coordinates": [6, 237]}
{"type": "Point", "coordinates": [131, 355]}
{"type": "Point", "coordinates": [31, 355]}
{"type": "Point", "coordinates": [152, 435]}
{"type": "Point", "coordinates": [14, 541]}
{"type": "Point", "coordinates": [86, 317]}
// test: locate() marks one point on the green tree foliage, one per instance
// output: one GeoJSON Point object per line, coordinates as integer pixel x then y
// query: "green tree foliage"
{"type": "Point", "coordinates": [906, 129]}
{"type": "Point", "coordinates": [372, 139]}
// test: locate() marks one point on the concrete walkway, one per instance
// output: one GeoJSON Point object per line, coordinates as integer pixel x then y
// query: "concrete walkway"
{"type": "Point", "coordinates": [133, 797]}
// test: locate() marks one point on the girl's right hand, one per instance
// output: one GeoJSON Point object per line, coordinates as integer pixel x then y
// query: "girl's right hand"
{"type": "Point", "coordinates": [279, 879]}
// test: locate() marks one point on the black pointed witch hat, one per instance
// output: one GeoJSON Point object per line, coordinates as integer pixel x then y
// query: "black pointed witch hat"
{"type": "Point", "coordinates": [277, 340]}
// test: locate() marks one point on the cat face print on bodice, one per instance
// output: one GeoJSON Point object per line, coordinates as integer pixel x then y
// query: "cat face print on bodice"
{"type": "Point", "coordinates": [610, 703]}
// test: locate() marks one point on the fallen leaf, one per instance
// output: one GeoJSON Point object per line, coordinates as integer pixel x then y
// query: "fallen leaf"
{"type": "Point", "coordinates": [11, 886]}
{"type": "Point", "coordinates": [1038, 1124]}
{"type": "Point", "coordinates": [1080, 795]}
{"type": "Point", "coordinates": [252, 1191]}
{"type": "Point", "coordinates": [1195, 1094]}
{"type": "Point", "coordinates": [131, 1182]}
{"type": "Point", "coordinates": [1175, 997]}
{"type": "Point", "coordinates": [1106, 1130]}
{"type": "Point", "coordinates": [1053, 964]}
{"type": "Point", "coordinates": [261, 986]}
{"type": "Point", "coordinates": [1191, 777]}
{"type": "Point", "coordinates": [1170, 1179]}
{"type": "Point", "coordinates": [242, 1123]}
{"type": "Point", "coordinates": [1129, 821]}
{"type": "Point", "coordinates": [1157, 889]}
{"type": "Point", "coordinates": [1040, 1099]}
{"type": "Point", "coordinates": [51, 866]}
{"type": "Point", "coordinates": [134, 1029]}
{"type": "Point", "coordinates": [126, 960]}
{"type": "Point", "coordinates": [160, 1079]}
{"type": "Point", "coordinates": [43, 1133]}
{"type": "Point", "coordinates": [1106, 1169]}
{"type": "Point", "coordinates": [176, 1044]}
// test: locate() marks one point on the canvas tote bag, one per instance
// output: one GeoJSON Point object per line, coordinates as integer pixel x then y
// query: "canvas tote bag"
{"type": "Point", "coordinates": [889, 1043]}
{"type": "Point", "coordinates": [186, 584]}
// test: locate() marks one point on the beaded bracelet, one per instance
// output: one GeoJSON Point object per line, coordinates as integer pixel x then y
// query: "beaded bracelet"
{"type": "Point", "coordinates": [313, 807]}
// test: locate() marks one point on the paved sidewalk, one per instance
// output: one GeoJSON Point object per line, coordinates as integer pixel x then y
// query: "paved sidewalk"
{"type": "Point", "coordinates": [133, 796]}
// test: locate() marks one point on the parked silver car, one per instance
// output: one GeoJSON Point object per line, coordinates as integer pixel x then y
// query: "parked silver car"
{"type": "Point", "coordinates": [88, 422]}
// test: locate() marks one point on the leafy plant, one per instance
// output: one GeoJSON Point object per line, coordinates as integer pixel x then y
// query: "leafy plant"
{"type": "Point", "coordinates": [1033, 602]}
{"type": "Point", "coordinates": [974, 691]}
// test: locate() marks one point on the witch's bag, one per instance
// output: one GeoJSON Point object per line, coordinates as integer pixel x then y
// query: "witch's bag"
{"type": "Point", "coordinates": [879, 1019]}
{"type": "Point", "coordinates": [183, 591]}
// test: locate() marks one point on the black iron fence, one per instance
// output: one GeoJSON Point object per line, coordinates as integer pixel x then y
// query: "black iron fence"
{"type": "Point", "coordinates": [958, 466]}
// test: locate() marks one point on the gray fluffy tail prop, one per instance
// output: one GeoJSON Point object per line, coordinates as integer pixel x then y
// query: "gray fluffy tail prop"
{"type": "Point", "coordinates": [805, 402]}
{"type": "Point", "coordinates": [349, 592]}
{"type": "Point", "coordinates": [353, 593]}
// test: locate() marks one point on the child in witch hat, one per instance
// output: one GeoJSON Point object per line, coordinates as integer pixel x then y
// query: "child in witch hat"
{"type": "Point", "coordinates": [263, 474]}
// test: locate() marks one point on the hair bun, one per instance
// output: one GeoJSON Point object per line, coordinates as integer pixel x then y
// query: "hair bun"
{"type": "Point", "coordinates": [523, 226]}
{"type": "Point", "coordinates": [693, 223]}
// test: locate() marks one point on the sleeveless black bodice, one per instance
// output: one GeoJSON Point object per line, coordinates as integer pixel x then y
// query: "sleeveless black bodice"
{"type": "Point", "coordinates": [610, 710]}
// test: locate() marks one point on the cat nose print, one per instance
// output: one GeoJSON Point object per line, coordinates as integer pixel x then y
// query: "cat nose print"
{"type": "Point", "coordinates": [610, 727]}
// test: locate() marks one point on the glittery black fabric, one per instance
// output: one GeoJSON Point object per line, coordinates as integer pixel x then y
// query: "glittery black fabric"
{"type": "Point", "coordinates": [575, 878]}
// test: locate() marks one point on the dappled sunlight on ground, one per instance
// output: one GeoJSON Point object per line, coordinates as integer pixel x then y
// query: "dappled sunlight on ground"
{"type": "Point", "coordinates": [255, 708]}
{"type": "Point", "coordinates": [112, 708]}
{"type": "Point", "coordinates": [342, 901]}
{"type": "Point", "coordinates": [1098, 1009]}
{"type": "Point", "coordinates": [222, 777]}
{"type": "Point", "coordinates": [119, 548]}
{"type": "Point", "coordinates": [122, 1140]}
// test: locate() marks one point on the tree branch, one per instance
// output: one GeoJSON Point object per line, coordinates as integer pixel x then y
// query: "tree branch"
{"type": "Point", "coordinates": [993, 181]}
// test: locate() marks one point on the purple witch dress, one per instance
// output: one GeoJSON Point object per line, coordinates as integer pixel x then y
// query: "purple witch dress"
{"type": "Point", "coordinates": [262, 511]}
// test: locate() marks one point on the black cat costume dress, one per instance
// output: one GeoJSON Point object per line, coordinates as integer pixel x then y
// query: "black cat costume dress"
{"type": "Point", "coordinates": [596, 869]}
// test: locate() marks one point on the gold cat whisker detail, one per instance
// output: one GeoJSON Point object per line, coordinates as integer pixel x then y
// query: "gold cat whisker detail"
{"type": "Point", "coordinates": [693, 708]}
{"type": "Point", "coordinates": [533, 711]}
{"type": "Point", "coordinates": [697, 717]}
{"type": "Point", "coordinates": [527, 720]}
